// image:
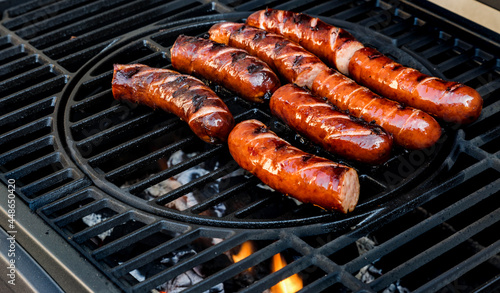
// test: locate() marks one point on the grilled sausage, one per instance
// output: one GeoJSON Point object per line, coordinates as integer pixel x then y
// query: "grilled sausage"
{"type": "Point", "coordinates": [420, 131]}
{"type": "Point", "coordinates": [232, 68]}
{"type": "Point", "coordinates": [331, 129]}
{"type": "Point", "coordinates": [287, 169]}
{"type": "Point", "coordinates": [411, 128]}
{"type": "Point", "coordinates": [334, 45]}
{"type": "Point", "coordinates": [183, 95]}
{"type": "Point", "coordinates": [449, 101]}
{"type": "Point", "coordinates": [293, 62]}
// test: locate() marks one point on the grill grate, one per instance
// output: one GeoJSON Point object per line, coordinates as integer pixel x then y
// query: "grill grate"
{"type": "Point", "coordinates": [429, 234]}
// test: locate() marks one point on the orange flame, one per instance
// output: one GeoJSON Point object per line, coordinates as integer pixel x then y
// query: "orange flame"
{"type": "Point", "coordinates": [291, 284]}
{"type": "Point", "coordinates": [245, 250]}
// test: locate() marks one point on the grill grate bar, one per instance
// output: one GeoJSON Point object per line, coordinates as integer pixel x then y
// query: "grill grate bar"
{"type": "Point", "coordinates": [155, 253]}
{"type": "Point", "coordinates": [42, 13]}
{"type": "Point", "coordinates": [125, 241]}
{"type": "Point", "coordinates": [232, 270]}
{"type": "Point", "coordinates": [20, 81]}
{"type": "Point", "coordinates": [63, 19]}
{"type": "Point", "coordinates": [89, 208]}
{"type": "Point", "coordinates": [12, 53]}
{"type": "Point", "coordinates": [218, 198]}
{"type": "Point", "coordinates": [16, 154]}
{"type": "Point", "coordinates": [488, 88]}
{"type": "Point", "coordinates": [103, 34]}
{"type": "Point", "coordinates": [435, 50]}
{"type": "Point", "coordinates": [454, 61]}
{"type": "Point", "coordinates": [118, 150]}
{"type": "Point", "coordinates": [146, 160]}
{"type": "Point", "coordinates": [186, 188]}
{"type": "Point", "coordinates": [102, 227]}
{"type": "Point", "coordinates": [28, 7]}
{"type": "Point", "coordinates": [94, 119]}
{"type": "Point", "coordinates": [34, 166]}
{"type": "Point", "coordinates": [28, 113]}
{"type": "Point", "coordinates": [322, 8]}
{"type": "Point", "coordinates": [88, 24]}
{"type": "Point", "coordinates": [176, 169]}
{"type": "Point", "coordinates": [364, 7]}
{"type": "Point", "coordinates": [436, 250]}
{"type": "Point", "coordinates": [18, 66]}
{"type": "Point", "coordinates": [118, 129]}
{"type": "Point", "coordinates": [423, 226]}
{"type": "Point", "coordinates": [475, 72]}
{"type": "Point", "coordinates": [41, 90]}
{"type": "Point", "coordinates": [21, 134]}
{"type": "Point", "coordinates": [465, 266]}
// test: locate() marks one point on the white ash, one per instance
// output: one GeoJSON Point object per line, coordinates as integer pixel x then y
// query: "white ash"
{"type": "Point", "coordinates": [370, 272]}
{"type": "Point", "coordinates": [94, 219]}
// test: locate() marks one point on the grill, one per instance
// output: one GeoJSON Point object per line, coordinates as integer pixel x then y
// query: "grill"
{"type": "Point", "coordinates": [107, 176]}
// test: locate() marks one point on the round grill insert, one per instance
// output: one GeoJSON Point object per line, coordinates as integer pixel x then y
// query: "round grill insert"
{"type": "Point", "coordinates": [152, 161]}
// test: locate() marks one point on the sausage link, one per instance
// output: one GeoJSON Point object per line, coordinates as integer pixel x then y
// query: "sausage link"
{"type": "Point", "coordinates": [183, 95]}
{"type": "Point", "coordinates": [449, 101]}
{"type": "Point", "coordinates": [410, 127]}
{"type": "Point", "coordinates": [332, 44]}
{"type": "Point", "coordinates": [293, 62]}
{"type": "Point", "coordinates": [232, 68]}
{"type": "Point", "coordinates": [331, 129]}
{"type": "Point", "coordinates": [287, 169]}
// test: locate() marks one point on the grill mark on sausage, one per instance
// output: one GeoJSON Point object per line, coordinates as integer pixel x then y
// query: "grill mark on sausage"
{"type": "Point", "coordinates": [236, 56]}
{"type": "Point", "coordinates": [306, 158]}
{"type": "Point", "coordinates": [397, 67]}
{"type": "Point", "coordinates": [280, 45]}
{"type": "Point", "coordinates": [198, 102]}
{"type": "Point", "coordinates": [259, 36]}
{"type": "Point", "coordinates": [281, 145]}
{"type": "Point", "coordinates": [262, 129]}
{"type": "Point", "coordinates": [375, 56]}
{"type": "Point", "coordinates": [252, 68]}
{"type": "Point", "coordinates": [298, 60]}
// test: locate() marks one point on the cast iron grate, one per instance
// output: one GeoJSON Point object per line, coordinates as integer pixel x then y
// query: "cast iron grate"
{"type": "Point", "coordinates": [52, 44]}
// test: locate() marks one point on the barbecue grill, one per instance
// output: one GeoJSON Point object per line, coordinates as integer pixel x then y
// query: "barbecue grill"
{"type": "Point", "coordinates": [113, 196]}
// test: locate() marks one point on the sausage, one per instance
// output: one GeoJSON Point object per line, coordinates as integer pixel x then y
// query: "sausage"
{"type": "Point", "coordinates": [332, 44]}
{"type": "Point", "coordinates": [449, 101]}
{"type": "Point", "coordinates": [331, 129]}
{"type": "Point", "coordinates": [183, 95]}
{"type": "Point", "coordinates": [410, 127]}
{"type": "Point", "coordinates": [293, 62]}
{"type": "Point", "coordinates": [232, 68]}
{"type": "Point", "coordinates": [293, 172]}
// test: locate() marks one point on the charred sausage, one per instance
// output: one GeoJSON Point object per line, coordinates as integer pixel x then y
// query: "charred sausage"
{"type": "Point", "coordinates": [331, 129]}
{"type": "Point", "coordinates": [183, 95]}
{"type": "Point", "coordinates": [287, 169]}
{"type": "Point", "coordinates": [232, 68]}
{"type": "Point", "coordinates": [293, 62]}
{"type": "Point", "coordinates": [449, 101]}
{"type": "Point", "coordinates": [411, 128]}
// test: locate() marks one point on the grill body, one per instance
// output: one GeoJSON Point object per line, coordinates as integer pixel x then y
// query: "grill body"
{"type": "Point", "coordinates": [74, 152]}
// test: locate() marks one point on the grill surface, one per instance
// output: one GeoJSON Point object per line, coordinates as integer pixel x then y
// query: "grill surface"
{"type": "Point", "coordinates": [75, 152]}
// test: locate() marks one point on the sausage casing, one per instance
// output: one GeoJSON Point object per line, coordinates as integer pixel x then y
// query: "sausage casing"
{"type": "Point", "coordinates": [293, 172]}
{"type": "Point", "coordinates": [449, 101]}
{"type": "Point", "coordinates": [293, 62]}
{"type": "Point", "coordinates": [232, 68]}
{"type": "Point", "coordinates": [331, 129]}
{"type": "Point", "coordinates": [410, 127]}
{"type": "Point", "coordinates": [183, 95]}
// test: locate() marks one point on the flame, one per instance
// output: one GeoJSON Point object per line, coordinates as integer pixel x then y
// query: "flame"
{"type": "Point", "coordinates": [245, 250]}
{"type": "Point", "coordinates": [291, 284]}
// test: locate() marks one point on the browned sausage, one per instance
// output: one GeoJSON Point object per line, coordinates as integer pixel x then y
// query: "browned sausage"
{"type": "Point", "coordinates": [411, 128]}
{"type": "Point", "coordinates": [293, 62]}
{"type": "Point", "coordinates": [183, 95]}
{"type": "Point", "coordinates": [232, 68]}
{"type": "Point", "coordinates": [329, 128]}
{"type": "Point", "coordinates": [287, 169]}
{"type": "Point", "coordinates": [332, 44]}
{"type": "Point", "coordinates": [449, 101]}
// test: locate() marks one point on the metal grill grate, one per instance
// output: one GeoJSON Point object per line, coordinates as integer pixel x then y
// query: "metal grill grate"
{"type": "Point", "coordinates": [57, 55]}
